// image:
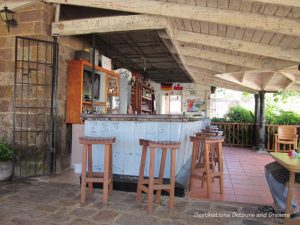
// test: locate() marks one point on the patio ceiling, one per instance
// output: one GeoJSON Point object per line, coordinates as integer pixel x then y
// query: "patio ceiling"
{"type": "Point", "coordinates": [205, 37]}
{"type": "Point", "coordinates": [266, 80]}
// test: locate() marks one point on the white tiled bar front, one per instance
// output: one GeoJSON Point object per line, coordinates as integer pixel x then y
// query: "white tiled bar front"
{"type": "Point", "coordinates": [127, 151]}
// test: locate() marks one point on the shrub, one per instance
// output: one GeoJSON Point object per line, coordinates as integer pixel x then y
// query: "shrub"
{"type": "Point", "coordinates": [236, 114]}
{"type": "Point", "coordinates": [284, 118]}
{"type": "Point", "coordinates": [6, 153]}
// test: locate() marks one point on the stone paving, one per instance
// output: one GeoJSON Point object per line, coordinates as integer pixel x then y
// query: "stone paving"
{"type": "Point", "coordinates": [32, 202]}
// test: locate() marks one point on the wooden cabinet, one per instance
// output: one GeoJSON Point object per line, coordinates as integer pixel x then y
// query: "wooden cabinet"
{"type": "Point", "coordinates": [142, 98]}
{"type": "Point", "coordinates": [84, 94]}
{"type": "Point", "coordinates": [147, 100]}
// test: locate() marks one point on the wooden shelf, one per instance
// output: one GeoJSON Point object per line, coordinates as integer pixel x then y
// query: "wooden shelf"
{"type": "Point", "coordinates": [115, 94]}
{"type": "Point", "coordinates": [75, 90]}
{"type": "Point", "coordinates": [95, 103]}
{"type": "Point", "coordinates": [138, 99]}
{"type": "Point", "coordinates": [150, 99]}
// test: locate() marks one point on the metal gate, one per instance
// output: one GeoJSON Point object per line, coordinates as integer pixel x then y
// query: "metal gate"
{"type": "Point", "coordinates": [34, 107]}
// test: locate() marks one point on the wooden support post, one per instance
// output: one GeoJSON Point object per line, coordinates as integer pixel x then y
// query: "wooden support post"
{"type": "Point", "coordinates": [141, 176]}
{"type": "Point", "coordinates": [151, 180]}
{"type": "Point", "coordinates": [256, 117]}
{"type": "Point", "coordinates": [83, 173]}
{"type": "Point", "coordinates": [110, 170]}
{"type": "Point", "coordinates": [106, 174]}
{"type": "Point", "coordinates": [172, 178]}
{"type": "Point", "coordinates": [161, 172]}
{"type": "Point", "coordinates": [90, 167]}
{"type": "Point", "coordinates": [262, 122]}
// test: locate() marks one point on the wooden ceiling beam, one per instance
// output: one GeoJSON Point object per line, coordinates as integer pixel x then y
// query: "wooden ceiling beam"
{"type": "Point", "coordinates": [184, 11]}
{"type": "Point", "coordinates": [218, 82]}
{"type": "Point", "coordinates": [267, 80]}
{"type": "Point", "coordinates": [108, 24]}
{"type": "Point", "coordinates": [242, 61]}
{"type": "Point", "coordinates": [209, 65]}
{"type": "Point", "coordinates": [237, 45]}
{"type": "Point", "coordinates": [291, 3]}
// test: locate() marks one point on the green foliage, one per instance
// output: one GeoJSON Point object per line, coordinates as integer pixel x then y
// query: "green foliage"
{"type": "Point", "coordinates": [283, 118]}
{"type": "Point", "coordinates": [6, 153]}
{"type": "Point", "coordinates": [275, 116]}
{"type": "Point", "coordinates": [236, 114]}
{"type": "Point", "coordinates": [216, 119]}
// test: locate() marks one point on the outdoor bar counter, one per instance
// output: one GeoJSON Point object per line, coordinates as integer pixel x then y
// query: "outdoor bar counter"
{"type": "Point", "coordinates": [128, 129]}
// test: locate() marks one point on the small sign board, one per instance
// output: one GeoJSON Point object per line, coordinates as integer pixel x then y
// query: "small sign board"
{"type": "Point", "coordinates": [105, 62]}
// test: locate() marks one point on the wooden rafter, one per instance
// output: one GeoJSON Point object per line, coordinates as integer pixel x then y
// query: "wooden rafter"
{"type": "Point", "coordinates": [215, 81]}
{"type": "Point", "coordinates": [243, 61]}
{"type": "Point", "coordinates": [291, 3]}
{"type": "Point", "coordinates": [238, 45]}
{"type": "Point", "coordinates": [213, 66]}
{"type": "Point", "coordinates": [183, 11]}
{"type": "Point", "coordinates": [267, 81]}
{"type": "Point", "coordinates": [108, 24]}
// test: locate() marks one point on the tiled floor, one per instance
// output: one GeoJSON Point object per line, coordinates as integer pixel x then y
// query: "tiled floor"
{"type": "Point", "coordinates": [31, 202]}
{"type": "Point", "coordinates": [244, 179]}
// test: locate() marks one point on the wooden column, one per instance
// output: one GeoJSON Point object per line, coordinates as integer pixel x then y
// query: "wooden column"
{"type": "Point", "coordinates": [256, 118]}
{"type": "Point", "coordinates": [262, 121]}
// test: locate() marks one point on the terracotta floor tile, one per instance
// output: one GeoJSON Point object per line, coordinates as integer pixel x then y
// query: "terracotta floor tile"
{"type": "Point", "coordinates": [245, 192]}
{"type": "Point", "coordinates": [244, 179]}
{"type": "Point", "coordinates": [230, 198]}
{"type": "Point", "coordinates": [248, 199]}
{"type": "Point", "coordinates": [243, 186]}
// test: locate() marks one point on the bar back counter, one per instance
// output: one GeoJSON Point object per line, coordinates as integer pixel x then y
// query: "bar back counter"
{"type": "Point", "coordinates": [128, 129]}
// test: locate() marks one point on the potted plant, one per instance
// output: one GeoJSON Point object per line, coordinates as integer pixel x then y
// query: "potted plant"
{"type": "Point", "coordinates": [6, 154]}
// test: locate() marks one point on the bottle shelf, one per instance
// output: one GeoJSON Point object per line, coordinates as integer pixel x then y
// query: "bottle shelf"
{"type": "Point", "coordinates": [147, 98]}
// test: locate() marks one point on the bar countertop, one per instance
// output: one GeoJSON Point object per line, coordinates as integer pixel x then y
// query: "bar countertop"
{"type": "Point", "coordinates": [140, 117]}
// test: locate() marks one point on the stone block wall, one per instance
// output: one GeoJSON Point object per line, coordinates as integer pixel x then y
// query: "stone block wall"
{"type": "Point", "coordinates": [34, 21]}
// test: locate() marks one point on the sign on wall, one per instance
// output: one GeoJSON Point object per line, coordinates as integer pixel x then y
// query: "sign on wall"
{"type": "Point", "coordinates": [195, 105]}
{"type": "Point", "coordinates": [105, 62]}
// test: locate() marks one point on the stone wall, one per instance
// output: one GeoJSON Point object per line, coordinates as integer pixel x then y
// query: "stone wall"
{"type": "Point", "coordinates": [35, 22]}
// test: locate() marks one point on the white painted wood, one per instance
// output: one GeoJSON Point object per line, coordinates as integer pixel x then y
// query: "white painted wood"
{"type": "Point", "coordinates": [213, 66]}
{"type": "Point", "coordinates": [294, 3]}
{"type": "Point", "coordinates": [127, 151]}
{"type": "Point", "coordinates": [267, 80]}
{"type": "Point", "coordinates": [238, 45]}
{"type": "Point", "coordinates": [108, 24]}
{"type": "Point", "coordinates": [213, 15]}
{"type": "Point", "coordinates": [57, 12]}
{"type": "Point", "coordinates": [13, 5]}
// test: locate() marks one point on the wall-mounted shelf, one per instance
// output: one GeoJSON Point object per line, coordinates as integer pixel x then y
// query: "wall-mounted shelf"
{"type": "Point", "coordinates": [81, 86]}
{"type": "Point", "coordinates": [142, 98]}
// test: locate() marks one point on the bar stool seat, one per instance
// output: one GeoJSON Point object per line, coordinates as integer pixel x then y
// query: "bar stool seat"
{"type": "Point", "coordinates": [211, 145]}
{"type": "Point", "coordinates": [95, 177]}
{"type": "Point", "coordinates": [151, 184]}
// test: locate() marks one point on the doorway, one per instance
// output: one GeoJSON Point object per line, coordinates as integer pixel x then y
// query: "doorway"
{"type": "Point", "coordinates": [171, 104]}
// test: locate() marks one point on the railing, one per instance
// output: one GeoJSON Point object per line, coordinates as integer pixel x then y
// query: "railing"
{"type": "Point", "coordinates": [242, 134]}
{"type": "Point", "coordinates": [236, 134]}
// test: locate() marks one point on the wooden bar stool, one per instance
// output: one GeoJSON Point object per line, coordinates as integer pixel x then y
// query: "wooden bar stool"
{"type": "Point", "coordinates": [211, 170]}
{"type": "Point", "coordinates": [151, 184]}
{"type": "Point", "coordinates": [107, 176]}
{"type": "Point", "coordinates": [212, 155]}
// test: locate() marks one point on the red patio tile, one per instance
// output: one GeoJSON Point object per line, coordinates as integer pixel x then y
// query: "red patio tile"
{"type": "Point", "coordinates": [248, 199]}
{"type": "Point", "coordinates": [244, 179]}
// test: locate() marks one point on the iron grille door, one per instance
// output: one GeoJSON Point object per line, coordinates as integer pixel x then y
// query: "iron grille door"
{"type": "Point", "coordinates": [34, 107]}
